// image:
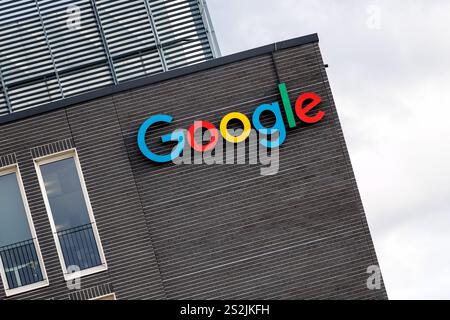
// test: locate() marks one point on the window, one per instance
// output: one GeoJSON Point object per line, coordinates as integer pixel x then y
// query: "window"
{"type": "Point", "coordinates": [70, 214]}
{"type": "Point", "coordinates": [21, 265]}
{"type": "Point", "coordinates": [111, 296]}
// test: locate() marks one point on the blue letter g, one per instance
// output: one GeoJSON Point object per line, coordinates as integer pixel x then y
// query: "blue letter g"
{"type": "Point", "coordinates": [177, 135]}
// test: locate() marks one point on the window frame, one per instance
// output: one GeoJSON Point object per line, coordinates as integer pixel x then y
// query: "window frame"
{"type": "Point", "coordinates": [102, 297]}
{"type": "Point", "coordinates": [14, 169]}
{"type": "Point", "coordinates": [67, 154]}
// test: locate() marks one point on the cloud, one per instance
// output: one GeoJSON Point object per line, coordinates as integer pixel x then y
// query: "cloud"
{"type": "Point", "coordinates": [390, 75]}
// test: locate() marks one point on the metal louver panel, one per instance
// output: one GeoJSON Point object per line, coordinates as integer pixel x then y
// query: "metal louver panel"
{"type": "Point", "coordinates": [87, 79]}
{"type": "Point", "coordinates": [75, 46]}
{"type": "Point", "coordinates": [3, 105]}
{"type": "Point", "coordinates": [25, 58]}
{"type": "Point", "coordinates": [30, 94]}
{"type": "Point", "coordinates": [181, 31]}
{"type": "Point", "coordinates": [138, 65]}
{"type": "Point", "coordinates": [130, 38]}
{"type": "Point", "coordinates": [53, 49]}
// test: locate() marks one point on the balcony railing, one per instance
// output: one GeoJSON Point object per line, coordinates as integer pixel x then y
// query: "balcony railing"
{"type": "Point", "coordinates": [79, 247]}
{"type": "Point", "coordinates": [21, 264]}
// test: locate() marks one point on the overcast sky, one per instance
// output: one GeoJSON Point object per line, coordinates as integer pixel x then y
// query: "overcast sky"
{"type": "Point", "coordinates": [390, 75]}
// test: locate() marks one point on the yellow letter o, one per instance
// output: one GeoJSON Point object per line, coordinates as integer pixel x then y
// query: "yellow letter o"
{"type": "Point", "coordinates": [224, 127]}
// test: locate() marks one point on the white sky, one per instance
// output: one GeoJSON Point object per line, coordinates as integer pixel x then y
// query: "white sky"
{"type": "Point", "coordinates": [391, 82]}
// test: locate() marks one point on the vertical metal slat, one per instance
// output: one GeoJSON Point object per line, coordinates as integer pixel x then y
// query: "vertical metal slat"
{"type": "Point", "coordinates": [49, 49]}
{"type": "Point", "coordinates": [155, 33]}
{"type": "Point", "coordinates": [105, 43]}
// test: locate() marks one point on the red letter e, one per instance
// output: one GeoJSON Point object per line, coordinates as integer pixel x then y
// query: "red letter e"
{"type": "Point", "coordinates": [303, 110]}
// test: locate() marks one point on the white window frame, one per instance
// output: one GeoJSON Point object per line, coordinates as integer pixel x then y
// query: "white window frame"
{"type": "Point", "coordinates": [71, 153]}
{"type": "Point", "coordinates": [14, 169]}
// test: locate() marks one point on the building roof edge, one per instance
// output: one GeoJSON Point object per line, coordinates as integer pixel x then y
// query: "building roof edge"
{"type": "Point", "coordinates": [140, 82]}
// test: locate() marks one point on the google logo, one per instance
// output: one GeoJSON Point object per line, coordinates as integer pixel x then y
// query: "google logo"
{"type": "Point", "coordinates": [304, 106]}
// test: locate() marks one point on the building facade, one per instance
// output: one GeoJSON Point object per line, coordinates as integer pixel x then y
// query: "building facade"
{"type": "Point", "coordinates": [88, 197]}
{"type": "Point", "coordinates": [52, 50]}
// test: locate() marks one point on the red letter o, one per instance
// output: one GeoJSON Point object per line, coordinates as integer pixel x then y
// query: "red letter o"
{"type": "Point", "coordinates": [199, 146]}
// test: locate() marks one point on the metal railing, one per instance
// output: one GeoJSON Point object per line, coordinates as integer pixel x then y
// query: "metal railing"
{"type": "Point", "coordinates": [79, 247]}
{"type": "Point", "coordinates": [21, 264]}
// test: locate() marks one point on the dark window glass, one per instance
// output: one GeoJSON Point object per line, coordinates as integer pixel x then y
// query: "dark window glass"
{"type": "Point", "coordinates": [65, 195]}
{"type": "Point", "coordinates": [17, 246]}
{"type": "Point", "coordinates": [70, 214]}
